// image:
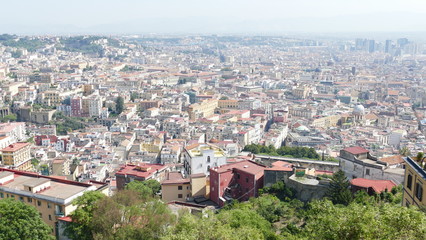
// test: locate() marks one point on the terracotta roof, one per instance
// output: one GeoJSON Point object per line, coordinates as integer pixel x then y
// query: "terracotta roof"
{"type": "Point", "coordinates": [396, 159]}
{"type": "Point", "coordinates": [15, 147]}
{"type": "Point", "coordinates": [281, 166]}
{"type": "Point", "coordinates": [133, 170]}
{"type": "Point", "coordinates": [175, 178]}
{"type": "Point", "coordinates": [246, 166]}
{"type": "Point", "coordinates": [377, 185]}
{"type": "Point", "coordinates": [356, 150]}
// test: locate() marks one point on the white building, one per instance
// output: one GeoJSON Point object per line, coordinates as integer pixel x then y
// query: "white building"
{"type": "Point", "coordinates": [357, 162]}
{"type": "Point", "coordinates": [200, 157]}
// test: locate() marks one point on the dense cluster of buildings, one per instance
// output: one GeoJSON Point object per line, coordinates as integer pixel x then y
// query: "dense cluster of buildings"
{"type": "Point", "coordinates": [181, 110]}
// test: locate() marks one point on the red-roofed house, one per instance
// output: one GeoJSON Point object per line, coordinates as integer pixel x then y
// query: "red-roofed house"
{"type": "Point", "coordinates": [371, 186]}
{"type": "Point", "coordinates": [239, 181]}
{"type": "Point", "coordinates": [140, 172]}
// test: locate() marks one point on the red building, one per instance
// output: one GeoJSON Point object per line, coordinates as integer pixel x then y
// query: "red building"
{"type": "Point", "coordinates": [76, 107]}
{"type": "Point", "coordinates": [371, 186]}
{"type": "Point", "coordinates": [140, 172]}
{"type": "Point", "coordinates": [239, 181]}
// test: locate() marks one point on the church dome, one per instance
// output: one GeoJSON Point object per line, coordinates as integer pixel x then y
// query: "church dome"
{"type": "Point", "coordinates": [359, 109]}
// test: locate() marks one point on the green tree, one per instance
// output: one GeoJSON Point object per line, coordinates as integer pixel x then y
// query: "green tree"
{"type": "Point", "coordinates": [21, 221]}
{"type": "Point", "coordinates": [119, 105]}
{"type": "Point", "coordinates": [9, 118]}
{"type": "Point", "coordinates": [358, 221]}
{"type": "Point", "coordinates": [146, 189]}
{"type": "Point", "coordinates": [338, 190]}
{"type": "Point", "coordinates": [81, 226]}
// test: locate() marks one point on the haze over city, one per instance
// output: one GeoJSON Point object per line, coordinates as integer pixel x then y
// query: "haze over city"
{"type": "Point", "coordinates": [213, 120]}
{"type": "Point", "coordinates": [220, 16]}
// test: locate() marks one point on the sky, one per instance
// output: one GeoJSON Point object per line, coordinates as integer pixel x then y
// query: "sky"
{"type": "Point", "coordinates": [211, 16]}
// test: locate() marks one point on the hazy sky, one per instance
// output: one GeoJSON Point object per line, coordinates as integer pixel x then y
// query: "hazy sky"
{"type": "Point", "coordinates": [212, 16]}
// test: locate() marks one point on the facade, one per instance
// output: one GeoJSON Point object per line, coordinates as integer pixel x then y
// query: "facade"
{"type": "Point", "coordinates": [357, 162]}
{"type": "Point", "coordinates": [199, 158]}
{"type": "Point", "coordinates": [205, 108]}
{"type": "Point", "coordinates": [414, 183]}
{"type": "Point", "coordinates": [14, 130]}
{"type": "Point", "coordinates": [175, 187]}
{"type": "Point", "coordinates": [51, 197]}
{"type": "Point", "coordinates": [239, 181]}
{"type": "Point", "coordinates": [17, 156]}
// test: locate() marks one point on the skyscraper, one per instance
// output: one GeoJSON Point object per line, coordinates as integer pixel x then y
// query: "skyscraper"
{"type": "Point", "coordinates": [388, 46]}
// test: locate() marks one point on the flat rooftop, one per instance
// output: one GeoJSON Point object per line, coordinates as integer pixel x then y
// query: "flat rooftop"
{"type": "Point", "coordinates": [60, 191]}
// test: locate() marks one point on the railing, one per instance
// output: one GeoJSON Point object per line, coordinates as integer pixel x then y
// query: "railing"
{"type": "Point", "coordinates": [60, 214]}
{"type": "Point", "coordinates": [416, 167]}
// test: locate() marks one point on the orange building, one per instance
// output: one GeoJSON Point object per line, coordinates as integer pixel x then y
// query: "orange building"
{"type": "Point", "coordinates": [17, 156]}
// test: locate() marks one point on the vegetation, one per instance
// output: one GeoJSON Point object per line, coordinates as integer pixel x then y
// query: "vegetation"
{"type": "Point", "coordinates": [295, 152]}
{"type": "Point", "coordinates": [147, 189]}
{"type": "Point", "coordinates": [126, 215]}
{"type": "Point", "coordinates": [82, 44]}
{"type": "Point", "coordinates": [31, 44]}
{"type": "Point", "coordinates": [9, 118]}
{"type": "Point", "coordinates": [136, 213]}
{"type": "Point", "coordinates": [129, 68]}
{"type": "Point", "coordinates": [119, 105]}
{"type": "Point", "coordinates": [339, 192]}
{"type": "Point", "coordinates": [66, 124]}
{"type": "Point", "coordinates": [21, 221]}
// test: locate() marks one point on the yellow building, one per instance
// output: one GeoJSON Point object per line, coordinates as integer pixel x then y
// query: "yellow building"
{"type": "Point", "coordinates": [203, 109]}
{"type": "Point", "coordinates": [51, 197]}
{"type": "Point", "coordinates": [177, 188]}
{"type": "Point", "coordinates": [17, 156]}
{"type": "Point", "coordinates": [325, 122]}
{"type": "Point", "coordinates": [228, 103]}
{"type": "Point", "coordinates": [414, 182]}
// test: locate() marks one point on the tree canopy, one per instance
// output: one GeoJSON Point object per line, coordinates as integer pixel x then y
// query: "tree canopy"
{"type": "Point", "coordinates": [119, 105]}
{"type": "Point", "coordinates": [295, 152]}
{"type": "Point", "coordinates": [21, 221]}
{"type": "Point", "coordinates": [338, 191]}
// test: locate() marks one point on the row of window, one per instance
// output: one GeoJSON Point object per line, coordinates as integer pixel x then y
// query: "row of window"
{"type": "Point", "coordinates": [30, 200]}
{"type": "Point", "coordinates": [418, 190]}
{"type": "Point", "coordinates": [181, 187]}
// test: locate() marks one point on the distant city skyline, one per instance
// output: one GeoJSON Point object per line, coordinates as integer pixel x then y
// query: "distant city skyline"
{"type": "Point", "coordinates": [220, 16]}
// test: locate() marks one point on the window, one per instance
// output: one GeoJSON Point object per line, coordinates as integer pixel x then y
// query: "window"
{"type": "Point", "coordinates": [38, 203]}
{"type": "Point", "coordinates": [21, 199]}
{"type": "Point", "coordinates": [48, 205]}
{"type": "Point", "coordinates": [1, 195]}
{"type": "Point", "coordinates": [179, 187]}
{"type": "Point", "coordinates": [50, 217]}
{"type": "Point", "coordinates": [12, 196]}
{"type": "Point", "coordinates": [238, 176]}
{"type": "Point", "coordinates": [246, 179]}
{"type": "Point", "coordinates": [409, 181]}
{"type": "Point", "coordinates": [419, 191]}
{"type": "Point", "coordinates": [179, 195]}
{"type": "Point", "coordinates": [367, 171]}
{"type": "Point", "coordinates": [29, 199]}
{"type": "Point", "coordinates": [208, 159]}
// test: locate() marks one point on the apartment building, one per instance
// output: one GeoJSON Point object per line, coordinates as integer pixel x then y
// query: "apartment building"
{"type": "Point", "coordinates": [17, 156]}
{"type": "Point", "coordinates": [414, 182]}
{"type": "Point", "coordinates": [202, 109]}
{"type": "Point", "coordinates": [51, 197]}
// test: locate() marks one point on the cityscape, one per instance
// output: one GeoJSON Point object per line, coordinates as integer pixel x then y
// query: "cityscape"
{"type": "Point", "coordinates": [212, 135]}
